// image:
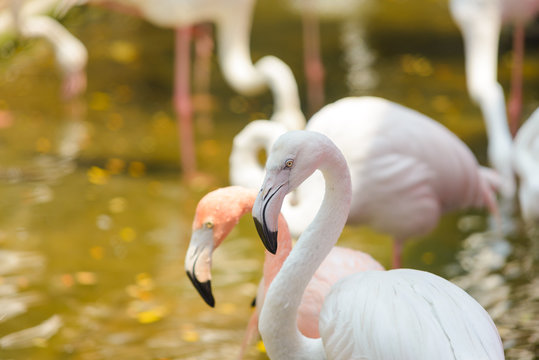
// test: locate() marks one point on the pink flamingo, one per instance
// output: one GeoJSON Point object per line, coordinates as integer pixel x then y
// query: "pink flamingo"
{"type": "Point", "coordinates": [407, 169]}
{"type": "Point", "coordinates": [31, 19]}
{"type": "Point", "coordinates": [396, 314]}
{"type": "Point", "coordinates": [216, 215]}
{"type": "Point", "coordinates": [480, 23]}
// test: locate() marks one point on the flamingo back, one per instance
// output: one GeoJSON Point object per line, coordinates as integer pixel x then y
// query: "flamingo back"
{"type": "Point", "coordinates": [406, 168]}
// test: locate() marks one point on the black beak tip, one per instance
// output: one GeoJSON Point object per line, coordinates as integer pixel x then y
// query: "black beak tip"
{"type": "Point", "coordinates": [204, 289]}
{"type": "Point", "coordinates": [269, 238]}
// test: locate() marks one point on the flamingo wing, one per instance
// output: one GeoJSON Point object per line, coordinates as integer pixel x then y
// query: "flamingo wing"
{"type": "Point", "coordinates": [406, 314]}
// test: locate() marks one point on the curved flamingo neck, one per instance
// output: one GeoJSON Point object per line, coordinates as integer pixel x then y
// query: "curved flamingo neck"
{"type": "Point", "coordinates": [245, 168]}
{"type": "Point", "coordinates": [278, 319]}
{"type": "Point", "coordinates": [234, 28]}
{"type": "Point", "coordinates": [480, 24]}
{"type": "Point", "coordinates": [279, 76]}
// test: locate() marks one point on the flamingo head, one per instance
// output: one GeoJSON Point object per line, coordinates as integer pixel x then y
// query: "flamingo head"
{"type": "Point", "coordinates": [198, 261]}
{"type": "Point", "coordinates": [292, 159]}
{"type": "Point", "coordinates": [216, 215]}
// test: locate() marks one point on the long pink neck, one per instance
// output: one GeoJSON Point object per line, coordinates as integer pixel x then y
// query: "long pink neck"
{"type": "Point", "coordinates": [273, 263]}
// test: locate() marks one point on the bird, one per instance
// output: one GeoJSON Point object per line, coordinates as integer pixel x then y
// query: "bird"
{"type": "Point", "coordinates": [216, 215]}
{"type": "Point", "coordinates": [407, 169]}
{"type": "Point", "coordinates": [526, 165]}
{"type": "Point", "coordinates": [232, 19]}
{"type": "Point", "coordinates": [480, 22]}
{"type": "Point", "coordinates": [395, 314]}
{"type": "Point", "coordinates": [33, 19]}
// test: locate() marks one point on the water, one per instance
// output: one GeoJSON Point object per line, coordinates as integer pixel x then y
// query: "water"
{"type": "Point", "coordinates": [95, 216]}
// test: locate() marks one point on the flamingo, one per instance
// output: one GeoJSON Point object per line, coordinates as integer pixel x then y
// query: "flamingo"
{"type": "Point", "coordinates": [526, 165]}
{"type": "Point", "coordinates": [396, 314]}
{"type": "Point", "coordinates": [30, 19]}
{"type": "Point", "coordinates": [216, 215]}
{"type": "Point", "coordinates": [233, 21]}
{"type": "Point", "coordinates": [407, 169]}
{"type": "Point", "coordinates": [480, 23]}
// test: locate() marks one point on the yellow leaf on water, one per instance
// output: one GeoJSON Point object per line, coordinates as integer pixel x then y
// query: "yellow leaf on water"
{"type": "Point", "coordinates": [115, 165]}
{"type": "Point", "coordinates": [260, 346]}
{"type": "Point", "coordinates": [123, 52]}
{"type": "Point", "coordinates": [190, 336]}
{"type": "Point", "coordinates": [86, 278]}
{"type": "Point", "coordinates": [128, 234]}
{"type": "Point", "coordinates": [97, 176]}
{"type": "Point", "coordinates": [67, 280]}
{"type": "Point", "coordinates": [144, 280]}
{"type": "Point", "coordinates": [152, 315]}
{"type": "Point", "coordinates": [96, 252]}
{"type": "Point", "coordinates": [137, 169]}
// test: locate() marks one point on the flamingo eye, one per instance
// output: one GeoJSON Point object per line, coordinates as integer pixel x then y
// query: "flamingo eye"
{"type": "Point", "coordinates": [208, 225]}
{"type": "Point", "coordinates": [288, 163]}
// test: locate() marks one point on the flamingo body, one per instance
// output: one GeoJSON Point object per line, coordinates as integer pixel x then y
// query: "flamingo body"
{"type": "Point", "coordinates": [398, 314]}
{"type": "Point", "coordinates": [403, 180]}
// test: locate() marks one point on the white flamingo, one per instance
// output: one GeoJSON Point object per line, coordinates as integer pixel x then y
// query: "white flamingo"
{"type": "Point", "coordinates": [396, 314]}
{"type": "Point", "coordinates": [232, 19]}
{"type": "Point", "coordinates": [480, 22]}
{"type": "Point", "coordinates": [407, 169]}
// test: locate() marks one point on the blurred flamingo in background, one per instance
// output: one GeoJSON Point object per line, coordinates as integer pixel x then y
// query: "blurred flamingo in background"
{"type": "Point", "coordinates": [526, 165]}
{"type": "Point", "coordinates": [407, 169]}
{"type": "Point", "coordinates": [233, 21]}
{"type": "Point", "coordinates": [480, 23]}
{"type": "Point", "coordinates": [32, 19]}
{"type": "Point", "coordinates": [216, 215]}
{"type": "Point", "coordinates": [396, 314]}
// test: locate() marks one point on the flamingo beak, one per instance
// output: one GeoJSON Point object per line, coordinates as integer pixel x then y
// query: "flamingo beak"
{"type": "Point", "coordinates": [198, 263]}
{"type": "Point", "coordinates": [266, 211]}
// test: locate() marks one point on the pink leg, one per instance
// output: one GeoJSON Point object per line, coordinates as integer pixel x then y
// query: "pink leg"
{"type": "Point", "coordinates": [314, 69]}
{"type": "Point", "coordinates": [203, 51]}
{"type": "Point", "coordinates": [397, 253]}
{"type": "Point", "coordinates": [182, 100]}
{"type": "Point", "coordinates": [515, 97]}
{"type": "Point", "coordinates": [250, 333]}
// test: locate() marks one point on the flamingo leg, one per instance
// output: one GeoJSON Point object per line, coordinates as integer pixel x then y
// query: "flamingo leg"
{"type": "Point", "coordinates": [250, 333]}
{"type": "Point", "coordinates": [314, 69]}
{"type": "Point", "coordinates": [182, 100]}
{"type": "Point", "coordinates": [397, 253]}
{"type": "Point", "coordinates": [201, 72]}
{"type": "Point", "coordinates": [515, 97]}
